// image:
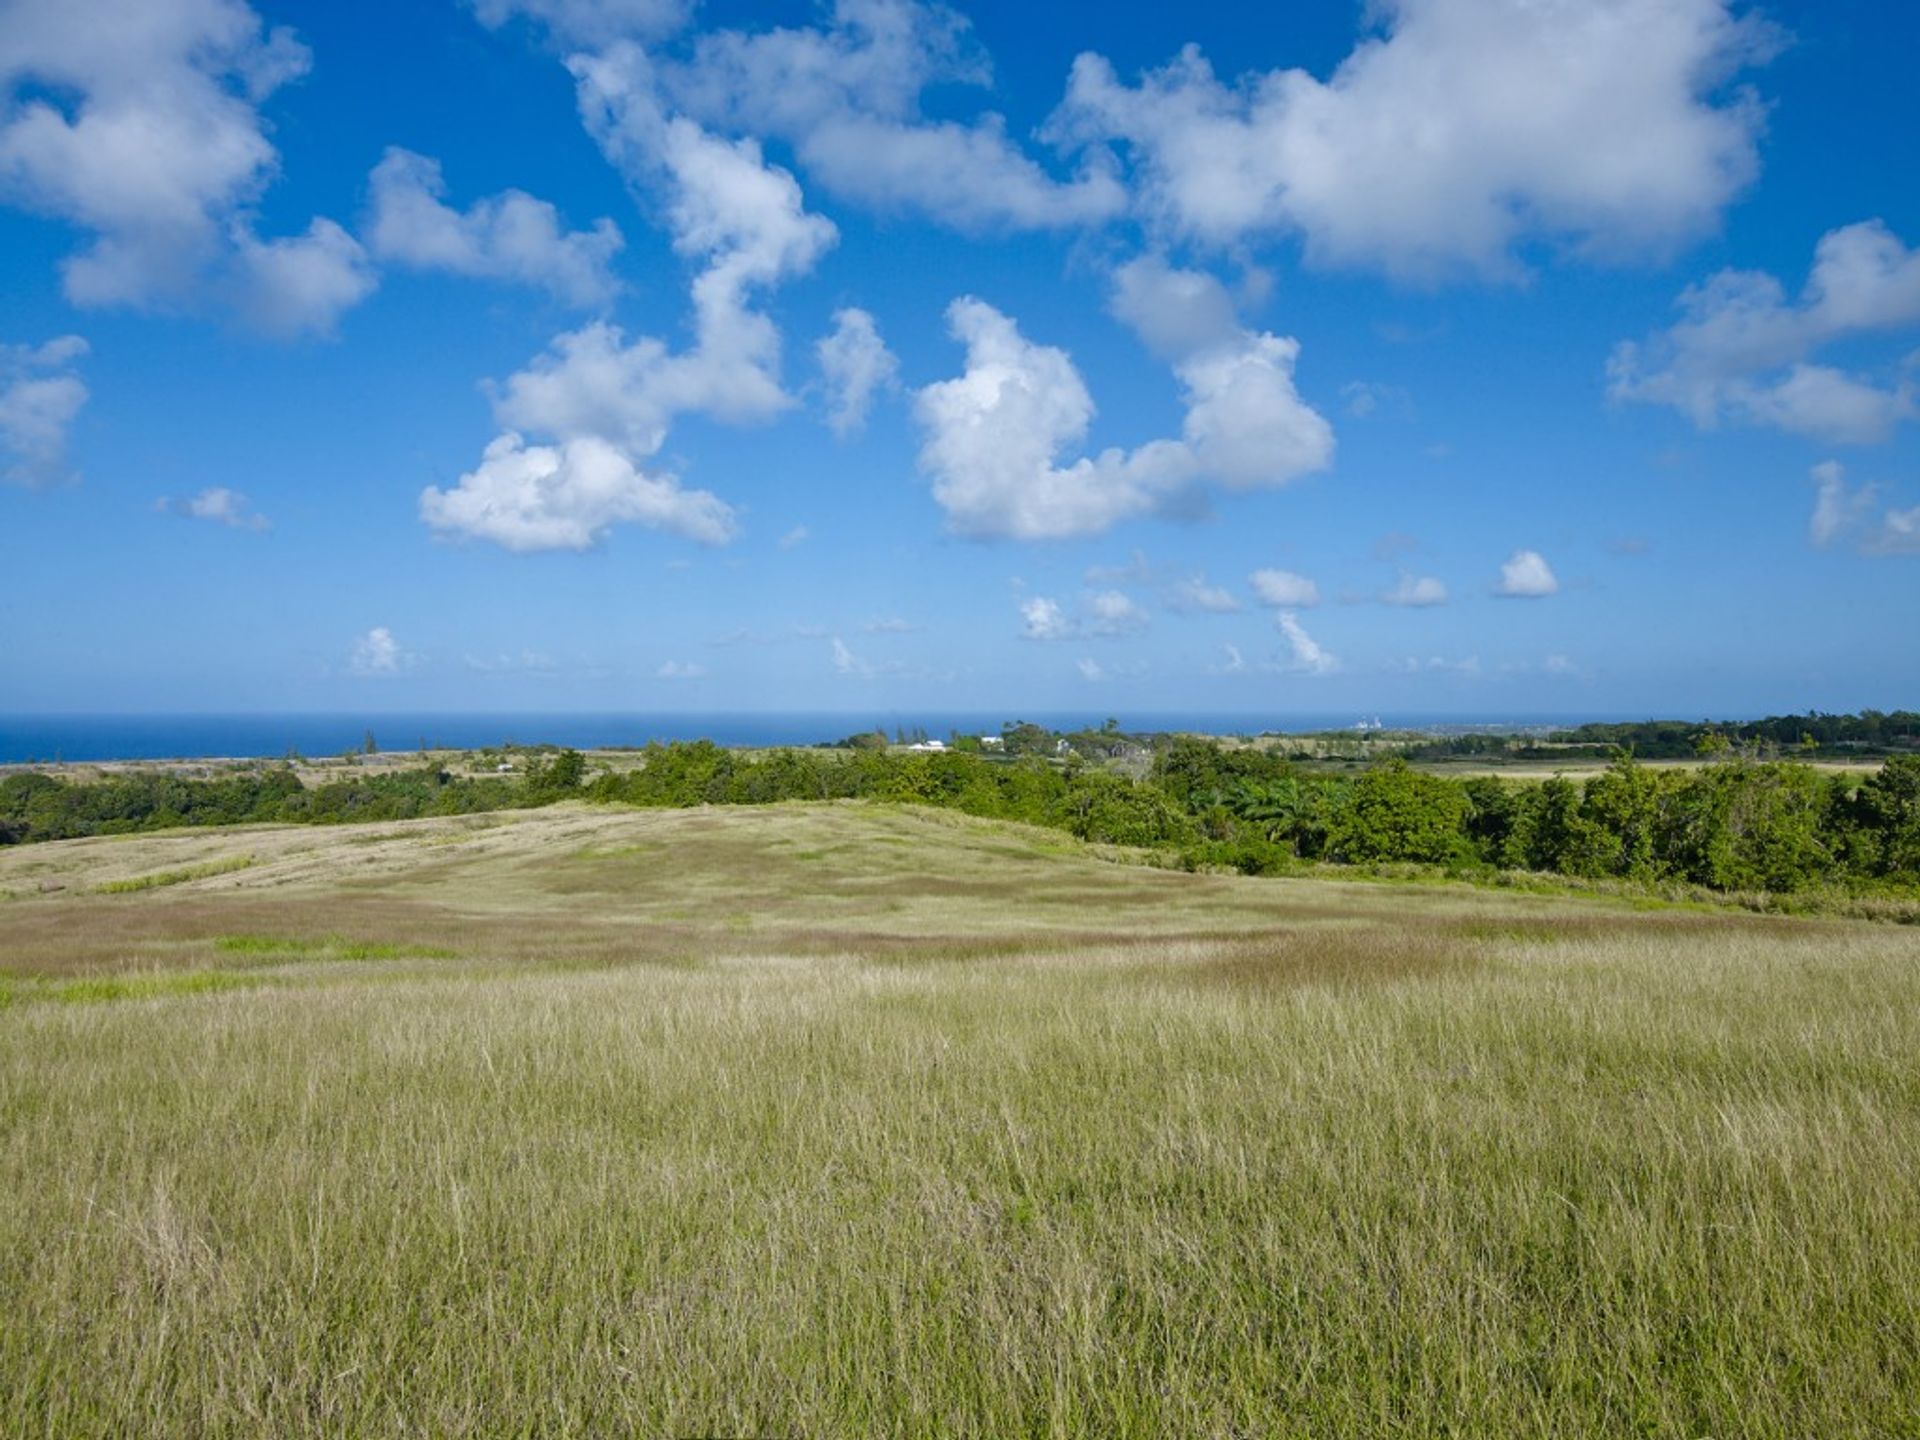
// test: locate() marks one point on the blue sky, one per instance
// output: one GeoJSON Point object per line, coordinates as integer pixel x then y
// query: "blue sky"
{"type": "Point", "coordinates": [1465, 357]}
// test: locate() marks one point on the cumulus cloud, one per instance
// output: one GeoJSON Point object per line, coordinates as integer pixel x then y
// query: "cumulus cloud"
{"type": "Point", "coordinates": [856, 365]}
{"type": "Point", "coordinates": [845, 96]}
{"type": "Point", "coordinates": [1246, 425]}
{"type": "Point", "coordinates": [1527, 576]}
{"type": "Point", "coordinates": [798, 535]}
{"type": "Point", "coordinates": [301, 284]}
{"type": "Point", "coordinates": [1090, 669]}
{"type": "Point", "coordinates": [1234, 664]}
{"type": "Point", "coordinates": [1743, 351]}
{"type": "Point", "coordinates": [1043, 619]}
{"type": "Point", "coordinates": [40, 394]}
{"type": "Point", "coordinates": [996, 434]}
{"type": "Point", "coordinates": [1305, 655]}
{"type": "Point", "coordinates": [220, 506]}
{"type": "Point", "coordinates": [378, 653]}
{"type": "Point", "coordinates": [1284, 588]}
{"type": "Point", "coordinates": [1455, 133]}
{"type": "Point", "coordinates": [1176, 312]}
{"type": "Point", "coordinates": [1416, 591]}
{"type": "Point", "coordinates": [607, 403]}
{"type": "Point", "coordinates": [138, 121]}
{"type": "Point", "coordinates": [1113, 612]}
{"type": "Point", "coordinates": [511, 236]}
{"type": "Point", "coordinates": [565, 497]}
{"type": "Point", "coordinates": [1844, 512]}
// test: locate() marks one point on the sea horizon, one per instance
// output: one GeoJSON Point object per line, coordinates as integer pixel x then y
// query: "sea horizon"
{"type": "Point", "coordinates": [88, 737]}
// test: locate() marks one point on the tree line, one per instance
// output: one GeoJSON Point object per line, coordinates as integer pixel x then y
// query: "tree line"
{"type": "Point", "coordinates": [1738, 824]}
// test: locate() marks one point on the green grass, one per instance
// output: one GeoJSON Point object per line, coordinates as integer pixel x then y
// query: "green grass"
{"type": "Point", "coordinates": [949, 1142]}
{"type": "Point", "coordinates": [330, 947]}
{"type": "Point", "coordinates": [160, 878]}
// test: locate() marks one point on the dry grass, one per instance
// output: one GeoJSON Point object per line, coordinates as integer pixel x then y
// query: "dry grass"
{"type": "Point", "coordinates": [836, 1120]}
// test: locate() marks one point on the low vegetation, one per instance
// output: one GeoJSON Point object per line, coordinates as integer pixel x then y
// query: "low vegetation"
{"type": "Point", "coordinates": [158, 878]}
{"type": "Point", "coordinates": [1738, 825]}
{"type": "Point", "coordinates": [844, 1119]}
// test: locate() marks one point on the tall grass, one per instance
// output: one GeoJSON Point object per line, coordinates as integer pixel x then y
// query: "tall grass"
{"type": "Point", "coordinates": [1410, 1166]}
{"type": "Point", "coordinates": [160, 878]}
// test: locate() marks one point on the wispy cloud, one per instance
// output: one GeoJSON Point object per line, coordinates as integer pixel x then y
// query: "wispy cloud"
{"type": "Point", "coordinates": [219, 505]}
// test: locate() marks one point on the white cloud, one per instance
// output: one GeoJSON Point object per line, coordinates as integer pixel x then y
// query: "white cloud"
{"type": "Point", "coordinates": [1836, 508]}
{"type": "Point", "coordinates": [1459, 131]}
{"type": "Point", "coordinates": [608, 404]}
{"type": "Point", "coordinates": [221, 506]}
{"type": "Point", "coordinates": [1527, 576]}
{"type": "Point", "coordinates": [301, 284]}
{"type": "Point", "coordinates": [1246, 424]}
{"type": "Point", "coordinates": [1113, 612]}
{"type": "Point", "coordinates": [1195, 594]}
{"type": "Point", "coordinates": [857, 365]}
{"type": "Point", "coordinates": [1176, 312]}
{"type": "Point", "coordinates": [1305, 654]}
{"type": "Point", "coordinates": [1898, 533]}
{"type": "Point", "coordinates": [889, 625]}
{"type": "Point", "coordinates": [590, 22]}
{"type": "Point", "coordinates": [995, 434]}
{"type": "Point", "coordinates": [1235, 663]}
{"type": "Point", "coordinates": [140, 124]}
{"type": "Point", "coordinates": [509, 236]}
{"type": "Point", "coordinates": [798, 535]}
{"type": "Point", "coordinates": [1135, 570]}
{"type": "Point", "coordinates": [1416, 591]}
{"type": "Point", "coordinates": [378, 653]}
{"type": "Point", "coordinates": [1367, 398]}
{"type": "Point", "coordinates": [1743, 352]}
{"type": "Point", "coordinates": [527, 662]}
{"type": "Point", "coordinates": [845, 662]}
{"type": "Point", "coordinates": [1043, 619]}
{"type": "Point", "coordinates": [1414, 665]}
{"type": "Point", "coordinates": [39, 397]}
{"type": "Point", "coordinates": [677, 670]}
{"type": "Point", "coordinates": [1284, 588]}
{"type": "Point", "coordinates": [845, 97]}
{"type": "Point", "coordinates": [564, 497]}
{"type": "Point", "coordinates": [1841, 511]}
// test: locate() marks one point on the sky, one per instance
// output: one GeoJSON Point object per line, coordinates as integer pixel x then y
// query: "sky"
{"type": "Point", "coordinates": [1437, 357]}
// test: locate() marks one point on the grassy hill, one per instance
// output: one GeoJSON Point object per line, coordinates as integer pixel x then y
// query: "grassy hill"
{"type": "Point", "coordinates": [847, 1120]}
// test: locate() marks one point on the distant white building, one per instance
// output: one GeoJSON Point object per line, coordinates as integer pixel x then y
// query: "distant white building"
{"type": "Point", "coordinates": [928, 745]}
{"type": "Point", "coordinates": [992, 742]}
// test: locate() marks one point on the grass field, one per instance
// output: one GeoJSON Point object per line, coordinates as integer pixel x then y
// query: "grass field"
{"type": "Point", "coordinates": [844, 1120]}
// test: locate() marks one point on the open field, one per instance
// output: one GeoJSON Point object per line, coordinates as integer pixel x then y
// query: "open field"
{"type": "Point", "coordinates": [827, 1120]}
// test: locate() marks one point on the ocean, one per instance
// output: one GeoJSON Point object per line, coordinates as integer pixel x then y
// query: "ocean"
{"type": "Point", "coordinates": [41, 738]}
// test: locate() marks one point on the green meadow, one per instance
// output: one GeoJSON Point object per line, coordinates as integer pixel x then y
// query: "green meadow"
{"type": "Point", "coordinates": [851, 1119]}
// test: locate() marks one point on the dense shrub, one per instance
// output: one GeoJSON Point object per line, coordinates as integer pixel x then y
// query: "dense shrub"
{"type": "Point", "coordinates": [1737, 824]}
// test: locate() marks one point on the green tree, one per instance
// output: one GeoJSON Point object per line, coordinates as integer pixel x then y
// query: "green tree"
{"type": "Point", "coordinates": [1394, 812]}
